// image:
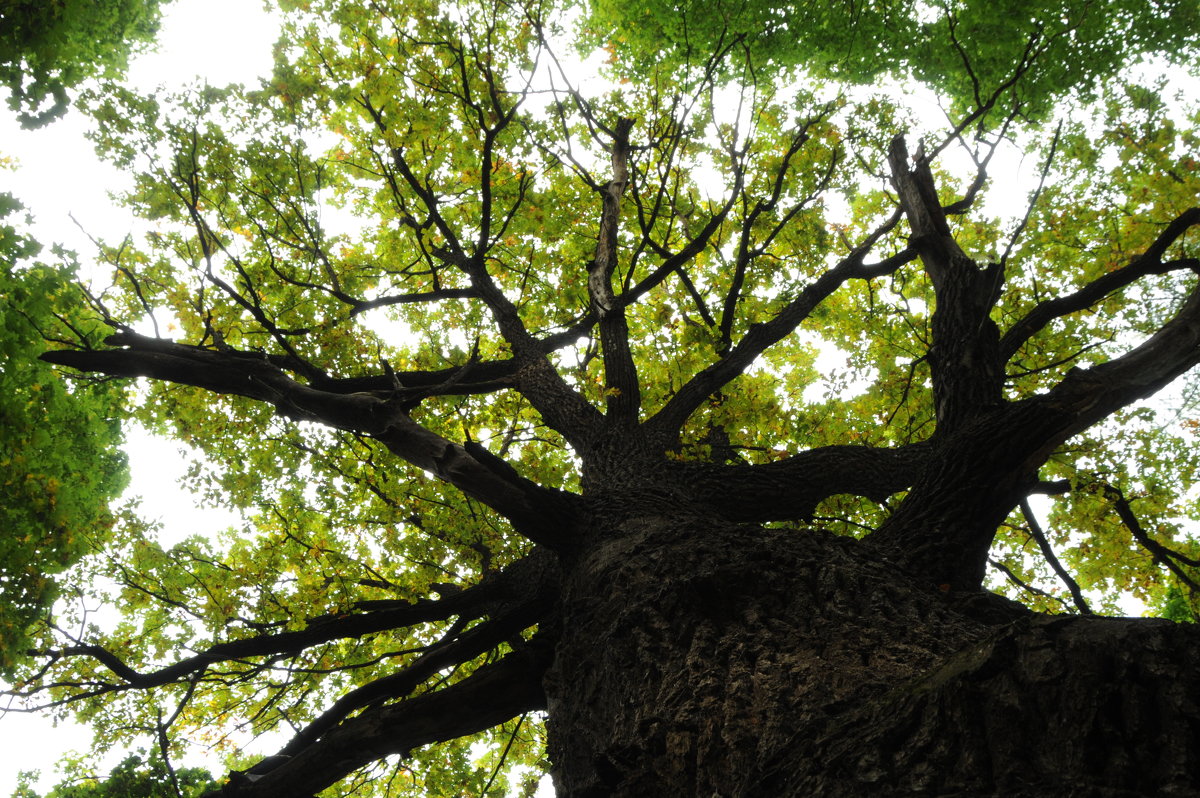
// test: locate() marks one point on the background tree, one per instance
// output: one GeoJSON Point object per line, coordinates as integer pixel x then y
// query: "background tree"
{"type": "Point", "coordinates": [522, 392]}
{"type": "Point", "coordinates": [49, 47]}
{"type": "Point", "coordinates": [59, 459]}
{"type": "Point", "coordinates": [132, 778]}
{"type": "Point", "coordinates": [59, 462]}
{"type": "Point", "coordinates": [964, 49]}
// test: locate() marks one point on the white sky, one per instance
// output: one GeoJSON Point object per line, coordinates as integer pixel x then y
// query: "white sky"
{"type": "Point", "coordinates": [222, 41]}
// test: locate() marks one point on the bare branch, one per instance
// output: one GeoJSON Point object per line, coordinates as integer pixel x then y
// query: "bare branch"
{"type": "Point", "coordinates": [1021, 583]}
{"type": "Point", "coordinates": [363, 305]}
{"type": "Point", "coordinates": [1035, 529]}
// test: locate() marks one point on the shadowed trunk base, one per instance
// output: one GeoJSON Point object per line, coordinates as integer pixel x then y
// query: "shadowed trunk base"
{"type": "Point", "coordinates": [711, 659]}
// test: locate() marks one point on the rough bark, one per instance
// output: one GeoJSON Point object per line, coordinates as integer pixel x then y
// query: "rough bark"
{"type": "Point", "coordinates": [705, 658]}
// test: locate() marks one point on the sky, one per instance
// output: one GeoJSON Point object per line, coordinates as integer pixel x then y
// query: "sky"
{"type": "Point", "coordinates": [65, 186]}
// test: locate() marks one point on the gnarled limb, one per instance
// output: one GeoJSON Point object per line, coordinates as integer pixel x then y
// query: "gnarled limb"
{"type": "Point", "coordinates": [790, 489]}
{"type": "Point", "coordinates": [474, 377]}
{"type": "Point", "coordinates": [493, 694]}
{"type": "Point", "coordinates": [540, 514]}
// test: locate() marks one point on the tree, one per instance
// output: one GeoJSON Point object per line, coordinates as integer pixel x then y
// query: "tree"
{"type": "Point", "coordinates": [132, 778]}
{"type": "Point", "coordinates": [522, 392]}
{"type": "Point", "coordinates": [49, 47]}
{"type": "Point", "coordinates": [59, 461]}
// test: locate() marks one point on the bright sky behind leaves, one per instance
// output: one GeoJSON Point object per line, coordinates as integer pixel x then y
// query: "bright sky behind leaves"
{"type": "Point", "coordinates": [58, 177]}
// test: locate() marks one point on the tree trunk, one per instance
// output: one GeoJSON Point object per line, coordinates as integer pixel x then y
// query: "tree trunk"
{"type": "Point", "coordinates": [705, 658]}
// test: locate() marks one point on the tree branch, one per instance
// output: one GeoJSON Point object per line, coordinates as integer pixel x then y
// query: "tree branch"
{"type": "Point", "coordinates": [540, 514]}
{"type": "Point", "coordinates": [620, 372]}
{"type": "Point", "coordinates": [791, 489]}
{"type": "Point", "coordinates": [1149, 262]}
{"type": "Point", "coordinates": [1162, 554]}
{"type": "Point", "coordinates": [978, 472]}
{"type": "Point", "coordinates": [963, 359]}
{"type": "Point", "coordinates": [664, 426]}
{"type": "Point", "coordinates": [530, 579]}
{"type": "Point", "coordinates": [462, 648]}
{"type": "Point", "coordinates": [1035, 529]}
{"type": "Point", "coordinates": [490, 696]}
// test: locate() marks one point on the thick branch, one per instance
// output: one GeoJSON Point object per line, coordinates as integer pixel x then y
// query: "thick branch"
{"type": "Point", "coordinates": [978, 472]}
{"type": "Point", "coordinates": [1093, 394]}
{"type": "Point", "coordinates": [465, 647]}
{"type": "Point", "coordinates": [621, 379]}
{"type": "Point", "coordinates": [1150, 262]}
{"type": "Point", "coordinates": [492, 695]}
{"type": "Point", "coordinates": [533, 575]}
{"type": "Point", "coordinates": [964, 360]}
{"type": "Point", "coordinates": [540, 514]}
{"type": "Point", "coordinates": [474, 377]}
{"type": "Point", "coordinates": [791, 489]}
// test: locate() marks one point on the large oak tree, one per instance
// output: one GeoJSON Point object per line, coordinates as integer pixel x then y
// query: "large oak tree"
{"type": "Point", "coordinates": [688, 409]}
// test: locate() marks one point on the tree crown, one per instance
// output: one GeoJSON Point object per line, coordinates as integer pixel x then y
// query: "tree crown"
{"type": "Point", "coordinates": [438, 320]}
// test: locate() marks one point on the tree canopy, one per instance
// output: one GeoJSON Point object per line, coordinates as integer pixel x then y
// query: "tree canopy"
{"type": "Point", "coordinates": [965, 50]}
{"type": "Point", "coordinates": [451, 320]}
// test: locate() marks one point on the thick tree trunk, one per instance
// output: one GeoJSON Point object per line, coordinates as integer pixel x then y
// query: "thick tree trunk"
{"type": "Point", "coordinates": [705, 658]}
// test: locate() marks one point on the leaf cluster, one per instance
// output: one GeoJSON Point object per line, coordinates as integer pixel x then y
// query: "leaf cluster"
{"type": "Point", "coordinates": [60, 464]}
{"type": "Point", "coordinates": [47, 48]}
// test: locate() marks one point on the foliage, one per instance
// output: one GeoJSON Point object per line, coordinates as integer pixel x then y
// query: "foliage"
{"type": "Point", "coordinates": [132, 778]}
{"type": "Point", "coordinates": [1177, 608]}
{"type": "Point", "coordinates": [49, 47]}
{"type": "Point", "coordinates": [59, 462]}
{"type": "Point", "coordinates": [392, 251]}
{"type": "Point", "coordinates": [964, 50]}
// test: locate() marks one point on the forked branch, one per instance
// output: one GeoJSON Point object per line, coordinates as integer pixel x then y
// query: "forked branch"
{"type": "Point", "coordinates": [542, 515]}
{"type": "Point", "coordinates": [1148, 263]}
{"type": "Point", "coordinates": [490, 696]}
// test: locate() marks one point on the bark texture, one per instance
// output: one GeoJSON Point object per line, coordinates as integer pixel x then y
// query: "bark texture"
{"type": "Point", "coordinates": [714, 659]}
